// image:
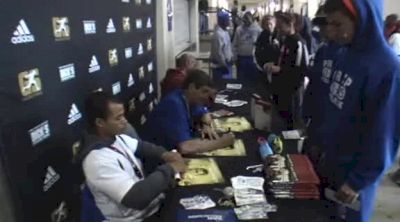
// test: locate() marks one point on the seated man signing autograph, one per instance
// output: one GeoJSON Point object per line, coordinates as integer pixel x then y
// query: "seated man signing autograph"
{"type": "Point", "coordinates": [171, 123]}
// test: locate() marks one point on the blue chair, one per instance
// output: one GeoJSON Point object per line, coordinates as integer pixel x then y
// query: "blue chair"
{"type": "Point", "coordinates": [90, 212]}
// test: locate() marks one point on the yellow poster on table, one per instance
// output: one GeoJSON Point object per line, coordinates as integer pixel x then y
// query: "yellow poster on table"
{"type": "Point", "coordinates": [201, 171]}
{"type": "Point", "coordinates": [233, 124]}
{"type": "Point", "coordinates": [237, 149]}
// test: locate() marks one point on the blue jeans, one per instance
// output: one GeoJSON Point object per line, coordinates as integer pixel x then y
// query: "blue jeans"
{"type": "Point", "coordinates": [203, 23]}
{"type": "Point", "coordinates": [247, 71]}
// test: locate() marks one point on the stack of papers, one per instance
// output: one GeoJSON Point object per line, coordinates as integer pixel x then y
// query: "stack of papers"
{"type": "Point", "coordinates": [221, 113]}
{"type": "Point", "coordinates": [221, 99]}
{"type": "Point", "coordinates": [248, 190]}
{"type": "Point", "coordinates": [254, 212]}
{"type": "Point", "coordinates": [291, 135]}
{"type": "Point", "coordinates": [235, 103]}
{"type": "Point", "coordinates": [209, 215]}
{"type": "Point", "coordinates": [198, 202]}
{"type": "Point", "coordinates": [250, 198]}
{"type": "Point", "coordinates": [233, 86]}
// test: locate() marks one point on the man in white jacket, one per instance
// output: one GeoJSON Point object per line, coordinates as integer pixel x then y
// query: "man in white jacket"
{"type": "Point", "coordinates": [221, 48]}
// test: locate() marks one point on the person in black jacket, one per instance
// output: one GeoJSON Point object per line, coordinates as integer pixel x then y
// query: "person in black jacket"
{"type": "Point", "coordinates": [266, 51]}
{"type": "Point", "coordinates": [289, 73]}
{"type": "Point", "coordinates": [267, 45]}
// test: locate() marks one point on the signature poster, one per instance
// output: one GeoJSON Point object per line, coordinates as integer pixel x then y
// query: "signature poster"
{"type": "Point", "coordinates": [201, 171]}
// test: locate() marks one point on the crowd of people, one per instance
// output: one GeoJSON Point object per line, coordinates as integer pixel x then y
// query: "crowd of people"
{"type": "Point", "coordinates": [343, 80]}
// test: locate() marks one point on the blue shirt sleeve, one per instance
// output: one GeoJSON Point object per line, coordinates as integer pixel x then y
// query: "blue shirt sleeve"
{"type": "Point", "coordinates": [175, 123]}
{"type": "Point", "coordinates": [380, 139]}
{"type": "Point", "coordinates": [199, 111]}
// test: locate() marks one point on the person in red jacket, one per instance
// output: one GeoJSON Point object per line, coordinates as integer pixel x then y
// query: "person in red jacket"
{"type": "Point", "coordinates": [175, 77]}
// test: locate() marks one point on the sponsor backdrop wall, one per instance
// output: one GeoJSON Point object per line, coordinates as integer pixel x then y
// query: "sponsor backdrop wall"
{"type": "Point", "coordinates": [53, 53]}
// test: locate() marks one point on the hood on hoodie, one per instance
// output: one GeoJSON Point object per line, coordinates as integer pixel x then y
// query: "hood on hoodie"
{"type": "Point", "coordinates": [369, 30]}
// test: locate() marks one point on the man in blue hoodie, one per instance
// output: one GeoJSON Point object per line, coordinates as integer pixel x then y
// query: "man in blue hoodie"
{"type": "Point", "coordinates": [359, 104]}
{"type": "Point", "coordinates": [327, 49]}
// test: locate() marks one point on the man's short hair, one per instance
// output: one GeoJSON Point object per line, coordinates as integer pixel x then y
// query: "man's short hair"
{"type": "Point", "coordinates": [199, 78]}
{"type": "Point", "coordinates": [182, 61]}
{"type": "Point", "coordinates": [96, 106]}
{"type": "Point", "coordinates": [285, 17]}
{"type": "Point", "coordinates": [391, 20]}
{"type": "Point", "coordinates": [265, 19]}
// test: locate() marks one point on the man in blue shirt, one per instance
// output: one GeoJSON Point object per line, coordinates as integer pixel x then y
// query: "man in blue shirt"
{"type": "Point", "coordinates": [171, 122]}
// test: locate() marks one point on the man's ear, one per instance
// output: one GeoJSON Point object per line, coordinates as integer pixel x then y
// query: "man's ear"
{"type": "Point", "coordinates": [99, 122]}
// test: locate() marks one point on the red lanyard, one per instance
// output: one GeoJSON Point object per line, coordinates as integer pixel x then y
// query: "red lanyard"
{"type": "Point", "coordinates": [123, 153]}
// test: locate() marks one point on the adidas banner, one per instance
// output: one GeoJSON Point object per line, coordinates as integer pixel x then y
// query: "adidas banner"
{"type": "Point", "coordinates": [53, 54]}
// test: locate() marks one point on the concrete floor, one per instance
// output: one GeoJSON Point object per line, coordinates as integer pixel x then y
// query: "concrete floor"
{"type": "Point", "coordinates": [387, 207]}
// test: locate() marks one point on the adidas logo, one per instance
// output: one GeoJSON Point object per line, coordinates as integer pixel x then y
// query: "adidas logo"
{"type": "Point", "coordinates": [151, 106]}
{"type": "Point", "coordinates": [40, 133]}
{"type": "Point", "coordinates": [22, 34]}
{"type": "Point", "coordinates": [140, 49]}
{"type": "Point", "coordinates": [143, 120]}
{"type": "Point", "coordinates": [94, 65]}
{"type": "Point", "coordinates": [131, 81]}
{"type": "Point", "coordinates": [67, 72]}
{"type": "Point", "coordinates": [74, 114]}
{"type": "Point", "coordinates": [151, 88]}
{"type": "Point", "coordinates": [98, 90]}
{"type": "Point", "coordinates": [116, 88]}
{"type": "Point", "coordinates": [150, 66]}
{"type": "Point", "coordinates": [128, 53]}
{"type": "Point", "coordinates": [149, 25]}
{"type": "Point", "coordinates": [139, 23]}
{"type": "Point", "coordinates": [51, 178]}
{"type": "Point", "coordinates": [110, 26]}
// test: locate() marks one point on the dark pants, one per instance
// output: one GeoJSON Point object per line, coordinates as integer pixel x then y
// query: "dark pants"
{"type": "Point", "coordinates": [203, 23]}
{"type": "Point", "coordinates": [247, 71]}
{"type": "Point", "coordinates": [222, 73]}
{"type": "Point", "coordinates": [288, 97]}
